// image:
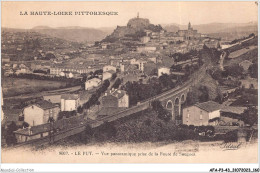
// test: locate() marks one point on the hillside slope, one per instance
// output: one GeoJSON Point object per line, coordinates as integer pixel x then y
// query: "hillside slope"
{"type": "Point", "coordinates": [75, 34]}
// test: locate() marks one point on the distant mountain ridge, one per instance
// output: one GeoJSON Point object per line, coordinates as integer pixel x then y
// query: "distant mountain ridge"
{"type": "Point", "coordinates": [70, 33]}
{"type": "Point", "coordinates": [215, 27]}
{"type": "Point", "coordinates": [73, 33]}
{"type": "Point", "coordinates": [85, 34]}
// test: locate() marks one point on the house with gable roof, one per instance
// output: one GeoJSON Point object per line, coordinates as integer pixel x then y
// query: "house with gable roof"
{"type": "Point", "coordinates": [40, 112]}
{"type": "Point", "coordinates": [201, 114]}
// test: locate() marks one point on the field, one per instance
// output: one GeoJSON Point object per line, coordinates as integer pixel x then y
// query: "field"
{"type": "Point", "coordinates": [250, 55]}
{"type": "Point", "coordinates": [16, 86]}
{"type": "Point", "coordinates": [239, 52]}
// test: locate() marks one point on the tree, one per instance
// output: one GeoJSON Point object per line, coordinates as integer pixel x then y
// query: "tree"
{"type": "Point", "coordinates": [98, 103]}
{"type": "Point", "coordinates": [156, 105]}
{"type": "Point", "coordinates": [9, 135]}
{"type": "Point", "coordinates": [105, 132]}
{"type": "Point", "coordinates": [204, 94]}
{"type": "Point", "coordinates": [117, 83]}
{"type": "Point", "coordinates": [166, 81]}
{"type": "Point", "coordinates": [50, 56]}
{"type": "Point", "coordinates": [98, 72]}
{"type": "Point", "coordinates": [176, 68]}
{"type": "Point", "coordinates": [250, 116]}
{"type": "Point", "coordinates": [253, 70]}
{"type": "Point", "coordinates": [80, 109]}
{"type": "Point", "coordinates": [114, 75]}
{"type": "Point", "coordinates": [234, 70]}
{"type": "Point", "coordinates": [192, 98]}
{"type": "Point", "coordinates": [161, 112]}
{"type": "Point", "coordinates": [86, 135]}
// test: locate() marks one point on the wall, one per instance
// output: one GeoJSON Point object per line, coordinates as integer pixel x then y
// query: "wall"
{"type": "Point", "coordinates": [33, 115]}
{"type": "Point", "coordinates": [108, 68]}
{"type": "Point", "coordinates": [109, 101]}
{"type": "Point", "coordinates": [124, 101]}
{"type": "Point", "coordinates": [91, 84]}
{"type": "Point", "coordinates": [106, 76]}
{"type": "Point", "coordinates": [163, 70]}
{"type": "Point", "coordinates": [69, 105]}
{"type": "Point", "coordinates": [214, 114]}
{"type": "Point", "coordinates": [192, 116]}
{"type": "Point", "coordinates": [53, 112]}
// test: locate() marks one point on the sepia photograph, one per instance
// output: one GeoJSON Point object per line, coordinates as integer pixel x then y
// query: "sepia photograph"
{"type": "Point", "coordinates": [129, 82]}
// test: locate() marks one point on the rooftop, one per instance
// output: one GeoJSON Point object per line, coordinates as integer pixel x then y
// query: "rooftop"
{"type": "Point", "coordinates": [118, 93]}
{"type": "Point", "coordinates": [209, 106]}
{"type": "Point", "coordinates": [233, 109]}
{"type": "Point", "coordinates": [70, 96]}
{"type": "Point", "coordinates": [46, 104]}
{"type": "Point", "coordinates": [94, 80]}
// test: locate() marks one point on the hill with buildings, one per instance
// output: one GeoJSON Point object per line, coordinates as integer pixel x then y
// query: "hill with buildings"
{"type": "Point", "coordinates": [216, 27]}
{"type": "Point", "coordinates": [134, 29]}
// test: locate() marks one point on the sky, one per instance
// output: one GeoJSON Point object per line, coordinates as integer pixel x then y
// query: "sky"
{"type": "Point", "coordinates": [157, 12]}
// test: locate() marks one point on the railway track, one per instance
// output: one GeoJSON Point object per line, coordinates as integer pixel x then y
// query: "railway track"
{"type": "Point", "coordinates": [66, 132]}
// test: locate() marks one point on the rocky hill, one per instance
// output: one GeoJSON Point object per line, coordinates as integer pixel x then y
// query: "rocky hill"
{"type": "Point", "coordinates": [134, 28]}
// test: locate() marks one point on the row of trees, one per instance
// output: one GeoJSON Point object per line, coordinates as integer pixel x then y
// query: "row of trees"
{"type": "Point", "coordinates": [162, 113]}
{"type": "Point", "coordinates": [138, 91]}
{"type": "Point", "coordinates": [253, 70]}
{"type": "Point", "coordinates": [141, 127]}
{"type": "Point", "coordinates": [183, 56]}
{"type": "Point", "coordinates": [200, 94]}
{"type": "Point", "coordinates": [117, 83]}
{"type": "Point", "coordinates": [93, 100]}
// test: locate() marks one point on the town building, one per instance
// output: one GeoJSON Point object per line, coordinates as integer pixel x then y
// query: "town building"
{"type": "Point", "coordinates": [202, 114]}
{"type": "Point", "coordinates": [107, 75]}
{"type": "Point", "coordinates": [52, 98]}
{"type": "Point", "coordinates": [189, 34]}
{"type": "Point", "coordinates": [231, 116]}
{"type": "Point", "coordinates": [40, 112]}
{"type": "Point", "coordinates": [249, 83]}
{"type": "Point", "coordinates": [69, 74]}
{"type": "Point", "coordinates": [92, 83]}
{"type": "Point", "coordinates": [163, 70]}
{"type": "Point", "coordinates": [115, 98]}
{"type": "Point", "coordinates": [58, 68]}
{"type": "Point", "coordinates": [5, 60]}
{"type": "Point", "coordinates": [145, 39]}
{"type": "Point", "coordinates": [122, 67]}
{"type": "Point", "coordinates": [69, 102]}
{"type": "Point", "coordinates": [245, 64]}
{"type": "Point", "coordinates": [146, 49]}
{"type": "Point", "coordinates": [109, 68]}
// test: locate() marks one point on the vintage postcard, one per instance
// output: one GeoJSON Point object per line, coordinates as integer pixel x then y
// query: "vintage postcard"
{"type": "Point", "coordinates": [129, 82]}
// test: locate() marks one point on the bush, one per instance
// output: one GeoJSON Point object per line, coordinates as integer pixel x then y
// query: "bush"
{"type": "Point", "coordinates": [231, 136]}
{"type": "Point", "coordinates": [105, 132]}
{"type": "Point", "coordinates": [9, 134]}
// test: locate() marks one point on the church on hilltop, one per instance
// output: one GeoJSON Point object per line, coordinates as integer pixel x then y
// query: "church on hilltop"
{"type": "Point", "coordinates": [189, 34]}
